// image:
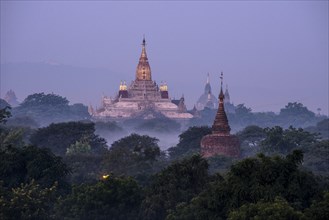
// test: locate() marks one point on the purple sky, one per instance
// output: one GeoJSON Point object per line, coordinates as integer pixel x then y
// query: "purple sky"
{"type": "Point", "coordinates": [271, 52]}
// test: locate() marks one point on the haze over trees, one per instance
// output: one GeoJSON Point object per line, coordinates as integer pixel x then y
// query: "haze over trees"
{"type": "Point", "coordinates": [68, 170]}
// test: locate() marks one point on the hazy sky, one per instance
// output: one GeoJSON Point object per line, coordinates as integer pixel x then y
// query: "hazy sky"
{"type": "Point", "coordinates": [271, 52]}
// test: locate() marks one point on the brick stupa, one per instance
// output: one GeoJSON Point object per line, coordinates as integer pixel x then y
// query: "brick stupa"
{"type": "Point", "coordinates": [220, 142]}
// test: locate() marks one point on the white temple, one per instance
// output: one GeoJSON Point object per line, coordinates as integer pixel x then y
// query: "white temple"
{"type": "Point", "coordinates": [142, 98]}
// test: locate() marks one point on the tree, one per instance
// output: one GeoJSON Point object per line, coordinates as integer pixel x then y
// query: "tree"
{"type": "Point", "coordinates": [80, 110]}
{"type": "Point", "coordinates": [296, 114]}
{"type": "Point", "coordinates": [29, 201]}
{"type": "Point", "coordinates": [241, 109]}
{"type": "Point", "coordinates": [321, 128]}
{"type": "Point", "coordinates": [22, 165]}
{"type": "Point", "coordinates": [189, 142]}
{"type": "Point", "coordinates": [12, 136]}
{"type": "Point", "coordinates": [79, 147]}
{"type": "Point", "coordinates": [59, 137]}
{"type": "Point", "coordinates": [134, 155]}
{"type": "Point", "coordinates": [50, 108]}
{"type": "Point", "coordinates": [296, 109]}
{"type": "Point", "coordinates": [265, 178]}
{"type": "Point", "coordinates": [250, 138]}
{"type": "Point", "coordinates": [253, 180]}
{"type": "Point", "coordinates": [279, 209]}
{"type": "Point", "coordinates": [4, 104]}
{"type": "Point", "coordinates": [283, 141]}
{"type": "Point", "coordinates": [85, 167]}
{"type": "Point", "coordinates": [41, 99]}
{"type": "Point", "coordinates": [143, 146]}
{"type": "Point", "coordinates": [178, 183]}
{"type": "Point", "coordinates": [316, 157]}
{"type": "Point", "coordinates": [113, 197]}
{"type": "Point", "coordinates": [22, 121]}
{"type": "Point", "coordinates": [319, 209]}
{"type": "Point", "coordinates": [5, 114]}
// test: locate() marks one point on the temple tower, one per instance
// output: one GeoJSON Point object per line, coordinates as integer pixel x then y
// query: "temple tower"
{"type": "Point", "coordinates": [204, 100]}
{"type": "Point", "coordinates": [221, 126]}
{"type": "Point", "coordinates": [143, 71]}
{"type": "Point", "coordinates": [227, 95]}
{"type": "Point", "coordinates": [220, 142]}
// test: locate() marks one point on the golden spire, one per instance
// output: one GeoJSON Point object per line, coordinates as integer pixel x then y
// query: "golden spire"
{"type": "Point", "coordinates": [143, 71]}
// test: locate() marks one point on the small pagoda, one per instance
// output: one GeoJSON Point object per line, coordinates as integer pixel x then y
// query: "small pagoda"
{"type": "Point", "coordinates": [220, 142]}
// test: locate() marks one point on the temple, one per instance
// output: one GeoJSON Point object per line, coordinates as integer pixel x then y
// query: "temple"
{"type": "Point", "coordinates": [141, 96]}
{"type": "Point", "coordinates": [220, 142]}
{"type": "Point", "coordinates": [11, 98]}
{"type": "Point", "coordinates": [207, 99]}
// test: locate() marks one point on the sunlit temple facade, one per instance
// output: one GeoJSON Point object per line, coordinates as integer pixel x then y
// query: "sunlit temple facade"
{"type": "Point", "coordinates": [142, 95]}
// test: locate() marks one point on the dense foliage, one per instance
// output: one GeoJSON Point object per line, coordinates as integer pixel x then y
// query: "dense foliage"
{"type": "Point", "coordinates": [67, 171]}
{"type": "Point", "coordinates": [4, 114]}
{"type": "Point", "coordinates": [59, 137]}
{"type": "Point", "coordinates": [134, 155]}
{"type": "Point", "coordinates": [189, 142]}
{"type": "Point", "coordinates": [22, 165]}
{"type": "Point", "coordinates": [50, 108]}
{"type": "Point", "coordinates": [112, 198]}
{"type": "Point", "coordinates": [250, 181]}
{"type": "Point", "coordinates": [293, 114]}
{"type": "Point", "coordinates": [178, 183]}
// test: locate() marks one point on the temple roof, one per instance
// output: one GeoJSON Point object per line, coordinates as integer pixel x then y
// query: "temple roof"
{"type": "Point", "coordinates": [143, 71]}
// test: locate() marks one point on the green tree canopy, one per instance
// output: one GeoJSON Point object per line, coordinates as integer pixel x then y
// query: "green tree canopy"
{"type": "Point", "coordinates": [319, 209]}
{"type": "Point", "coordinates": [189, 142]}
{"type": "Point", "coordinates": [5, 114]}
{"type": "Point", "coordinates": [41, 99]}
{"type": "Point", "coordinates": [250, 138]}
{"type": "Point", "coordinates": [296, 109]}
{"type": "Point", "coordinates": [50, 108]}
{"type": "Point", "coordinates": [134, 155]}
{"type": "Point", "coordinates": [58, 137]}
{"type": "Point", "coordinates": [178, 183]}
{"type": "Point", "coordinates": [280, 209]}
{"type": "Point", "coordinates": [283, 141]}
{"type": "Point", "coordinates": [112, 198]}
{"type": "Point", "coordinates": [28, 201]}
{"type": "Point", "coordinates": [250, 181]}
{"type": "Point", "coordinates": [22, 165]}
{"type": "Point", "coordinates": [316, 157]}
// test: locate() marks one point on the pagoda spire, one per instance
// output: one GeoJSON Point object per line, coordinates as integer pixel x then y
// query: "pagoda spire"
{"type": "Point", "coordinates": [221, 126]}
{"type": "Point", "coordinates": [143, 71]}
{"type": "Point", "coordinates": [227, 95]}
{"type": "Point", "coordinates": [208, 78]}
